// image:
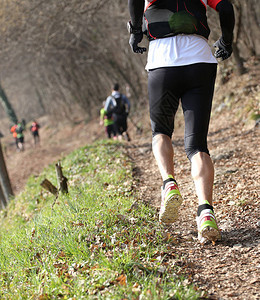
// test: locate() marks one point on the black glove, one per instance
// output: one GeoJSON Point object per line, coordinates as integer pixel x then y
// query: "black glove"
{"type": "Point", "coordinates": [135, 39]}
{"type": "Point", "coordinates": [223, 50]}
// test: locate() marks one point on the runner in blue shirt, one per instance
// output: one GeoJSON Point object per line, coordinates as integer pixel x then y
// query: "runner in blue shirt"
{"type": "Point", "coordinates": [118, 105]}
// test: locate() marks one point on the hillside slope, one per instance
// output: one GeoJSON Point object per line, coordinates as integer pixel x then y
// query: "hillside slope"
{"type": "Point", "coordinates": [230, 269]}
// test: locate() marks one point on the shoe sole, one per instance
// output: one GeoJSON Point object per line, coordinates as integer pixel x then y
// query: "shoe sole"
{"type": "Point", "coordinates": [210, 234]}
{"type": "Point", "coordinates": [171, 212]}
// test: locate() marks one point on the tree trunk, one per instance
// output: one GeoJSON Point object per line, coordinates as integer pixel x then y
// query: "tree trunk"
{"type": "Point", "coordinates": [7, 106]}
{"type": "Point", "coordinates": [239, 61]}
{"type": "Point", "coordinates": [62, 180]}
{"type": "Point", "coordinates": [2, 199]}
{"type": "Point", "coordinates": [4, 178]}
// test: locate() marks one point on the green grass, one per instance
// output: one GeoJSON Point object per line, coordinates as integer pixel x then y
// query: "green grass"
{"type": "Point", "coordinates": [91, 243]}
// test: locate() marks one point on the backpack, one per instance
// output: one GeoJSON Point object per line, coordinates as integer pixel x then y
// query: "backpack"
{"type": "Point", "coordinates": [164, 18]}
{"type": "Point", "coordinates": [119, 109]}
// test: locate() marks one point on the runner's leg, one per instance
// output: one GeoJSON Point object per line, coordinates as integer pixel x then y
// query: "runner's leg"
{"type": "Point", "coordinates": [163, 90]}
{"type": "Point", "coordinates": [196, 104]}
{"type": "Point", "coordinates": [202, 171]}
{"type": "Point", "coordinates": [109, 131]}
{"type": "Point", "coordinates": [164, 100]}
{"type": "Point", "coordinates": [163, 153]}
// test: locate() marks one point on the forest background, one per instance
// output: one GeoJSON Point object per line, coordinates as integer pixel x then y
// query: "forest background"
{"type": "Point", "coordinates": [61, 58]}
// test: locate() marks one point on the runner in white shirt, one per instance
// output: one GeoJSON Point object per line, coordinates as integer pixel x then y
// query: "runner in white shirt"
{"type": "Point", "coordinates": [181, 68]}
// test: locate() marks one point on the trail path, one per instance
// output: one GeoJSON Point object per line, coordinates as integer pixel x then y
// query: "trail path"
{"type": "Point", "coordinates": [55, 142]}
{"type": "Point", "coordinates": [231, 268]}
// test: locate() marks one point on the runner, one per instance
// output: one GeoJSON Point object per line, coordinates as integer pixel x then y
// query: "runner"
{"type": "Point", "coordinates": [181, 66]}
{"type": "Point", "coordinates": [13, 131]}
{"type": "Point", "coordinates": [108, 122]}
{"type": "Point", "coordinates": [118, 105]}
{"type": "Point", "coordinates": [35, 132]}
{"type": "Point", "coordinates": [20, 136]}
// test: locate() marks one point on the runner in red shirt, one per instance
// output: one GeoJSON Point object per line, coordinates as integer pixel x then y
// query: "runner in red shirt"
{"type": "Point", "coordinates": [35, 132]}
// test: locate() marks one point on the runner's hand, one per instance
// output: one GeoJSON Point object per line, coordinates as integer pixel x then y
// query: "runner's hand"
{"type": "Point", "coordinates": [135, 39]}
{"type": "Point", "coordinates": [223, 50]}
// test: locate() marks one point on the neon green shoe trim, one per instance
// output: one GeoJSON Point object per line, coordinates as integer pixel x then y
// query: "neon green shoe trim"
{"type": "Point", "coordinates": [208, 224]}
{"type": "Point", "coordinates": [172, 193]}
{"type": "Point", "coordinates": [170, 176]}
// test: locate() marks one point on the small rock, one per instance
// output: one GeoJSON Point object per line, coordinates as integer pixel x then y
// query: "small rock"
{"type": "Point", "coordinates": [231, 170]}
{"type": "Point", "coordinates": [161, 269]}
{"type": "Point", "coordinates": [237, 246]}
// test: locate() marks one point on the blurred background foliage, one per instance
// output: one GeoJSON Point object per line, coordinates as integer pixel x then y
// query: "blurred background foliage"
{"type": "Point", "coordinates": [62, 57]}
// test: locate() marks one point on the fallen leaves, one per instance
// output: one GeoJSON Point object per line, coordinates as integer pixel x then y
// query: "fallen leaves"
{"type": "Point", "coordinates": [122, 279]}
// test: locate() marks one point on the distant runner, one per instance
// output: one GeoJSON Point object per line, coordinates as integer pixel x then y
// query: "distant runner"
{"type": "Point", "coordinates": [20, 136]}
{"type": "Point", "coordinates": [108, 122]}
{"type": "Point", "coordinates": [118, 105]}
{"type": "Point", "coordinates": [35, 132]}
{"type": "Point", "coordinates": [181, 67]}
{"type": "Point", "coordinates": [13, 131]}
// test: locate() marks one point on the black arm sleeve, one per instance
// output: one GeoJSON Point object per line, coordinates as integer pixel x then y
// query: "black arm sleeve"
{"type": "Point", "coordinates": [227, 20]}
{"type": "Point", "coordinates": [136, 10]}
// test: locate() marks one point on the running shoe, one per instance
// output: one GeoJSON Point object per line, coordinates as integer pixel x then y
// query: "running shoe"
{"type": "Point", "coordinates": [207, 227]}
{"type": "Point", "coordinates": [171, 201]}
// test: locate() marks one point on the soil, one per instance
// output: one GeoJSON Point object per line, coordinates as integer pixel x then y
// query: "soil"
{"type": "Point", "coordinates": [230, 269]}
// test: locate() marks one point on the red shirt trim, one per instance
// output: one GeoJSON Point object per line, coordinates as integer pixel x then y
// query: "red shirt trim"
{"type": "Point", "coordinates": [213, 3]}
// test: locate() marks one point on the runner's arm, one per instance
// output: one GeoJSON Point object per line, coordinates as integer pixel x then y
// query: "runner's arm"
{"type": "Point", "coordinates": [108, 103]}
{"type": "Point", "coordinates": [102, 114]}
{"type": "Point", "coordinates": [136, 10]}
{"type": "Point", "coordinates": [227, 20]}
{"type": "Point", "coordinates": [127, 102]}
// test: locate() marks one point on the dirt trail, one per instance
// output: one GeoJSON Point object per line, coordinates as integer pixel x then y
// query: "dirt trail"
{"type": "Point", "coordinates": [231, 268]}
{"type": "Point", "coordinates": [55, 142]}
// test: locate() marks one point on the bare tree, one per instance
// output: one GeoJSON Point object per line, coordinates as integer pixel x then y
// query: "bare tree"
{"type": "Point", "coordinates": [5, 186]}
{"type": "Point", "coordinates": [70, 52]}
{"type": "Point", "coordinates": [7, 106]}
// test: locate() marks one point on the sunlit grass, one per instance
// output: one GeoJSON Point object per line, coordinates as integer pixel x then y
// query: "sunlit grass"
{"type": "Point", "coordinates": [90, 243]}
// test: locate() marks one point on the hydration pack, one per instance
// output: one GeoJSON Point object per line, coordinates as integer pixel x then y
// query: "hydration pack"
{"type": "Point", "coordinates": [164, 18]}
{"type": "Point", "coordinates": [118, 108]}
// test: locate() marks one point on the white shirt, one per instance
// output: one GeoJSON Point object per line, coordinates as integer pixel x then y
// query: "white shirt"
{"type": "Point", "coordinates": [179, 50]}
